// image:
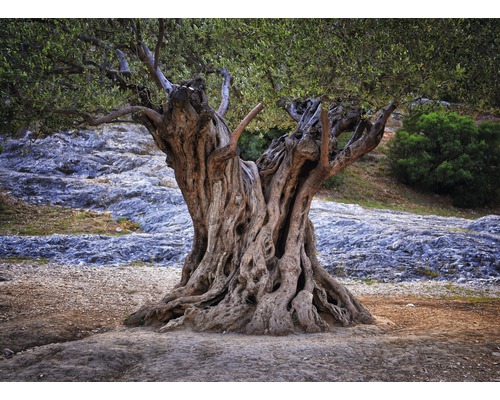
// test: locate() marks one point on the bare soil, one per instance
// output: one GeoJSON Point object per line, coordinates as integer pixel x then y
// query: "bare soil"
{"type": "Point", "coordinates": [65, 324]}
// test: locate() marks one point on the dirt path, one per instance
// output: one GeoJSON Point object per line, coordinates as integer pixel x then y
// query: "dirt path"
{"type": "Point", "coordinates": [64, 324]}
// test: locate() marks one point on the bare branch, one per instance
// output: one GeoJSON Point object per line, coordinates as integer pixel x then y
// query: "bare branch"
{"type": "Point", "coordinates": [112, 116]}
{"type": "Point", "coordinates": [70, 69]}
{"type": "Point", "coordinates": [382, 119]}
{"type": "Point", "coordinates": [224, 105]}
{"type": "Point", "coordinates": [310, 118]}
{"type": "Point", "coordinates": [233, 141]}
{"type": "Point", "coordinates": [146, 57]}
{"type": "Point", "coordinates": [358, 132]}
{"type": "Point", "coordinates": [161, 32]}
{"type": "Point", "coordinates": [291, 108]}
{"type": "Point", "coordinates": [95, 41]}
{"type": "Point", "coordinates": [156, 117]}
{"type": "Point", "coordinates": [122, 60]}
{"type": "Point", "coordinates": [361, 144]}
{"type": "Point", "coordinates": [325, 135]}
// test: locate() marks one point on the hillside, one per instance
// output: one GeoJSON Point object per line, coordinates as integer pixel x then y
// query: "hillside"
{"type": "Point", "coordinates": [370, 184]}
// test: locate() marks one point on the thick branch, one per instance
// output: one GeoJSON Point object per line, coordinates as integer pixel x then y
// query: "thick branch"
{"type": "Point", "coordinates": [382, 120]}
{"type": "Point", "coordinates": [224, 105]}
{"type": "Point", "coordinates": [233, 141]}
{"type": "Point", "coordinates": [113, 116]}
{"type": "Point", "coordinates": [360, 143]}
{"type": "Point", "coordinates": [147, 58]}
{"type": "Point", "coordinates": [358, 132]}
{"type": "Point", "coordinates": [343, 121]}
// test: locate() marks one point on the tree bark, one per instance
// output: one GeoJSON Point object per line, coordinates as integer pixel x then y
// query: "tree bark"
{"type": "Point", "coordinates": [253, 267]}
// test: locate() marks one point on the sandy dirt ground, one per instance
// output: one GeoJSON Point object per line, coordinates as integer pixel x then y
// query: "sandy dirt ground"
{"type": "Point", "coordinates": [60, 323]}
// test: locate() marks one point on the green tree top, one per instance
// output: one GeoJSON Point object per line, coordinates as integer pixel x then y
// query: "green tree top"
{"type": "Point", "coordinates": [55, 73]}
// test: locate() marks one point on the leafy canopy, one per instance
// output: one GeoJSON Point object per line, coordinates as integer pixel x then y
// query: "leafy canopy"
{"type": "Point", "coordinates": [53, 69]}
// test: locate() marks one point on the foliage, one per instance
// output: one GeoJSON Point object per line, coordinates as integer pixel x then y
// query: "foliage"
{"type": "Point", "coordinates": [40, 74]}
{"type": "Point", "coordinates": [52, 69]}
{"type": "Point", "coordinates": [254, 144]}
{"type": "Point", "coordinates": [334, 181]}
{"type": "Point", "coordinates": [447, 153]}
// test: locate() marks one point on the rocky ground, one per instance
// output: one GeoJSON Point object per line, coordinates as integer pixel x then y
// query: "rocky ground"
{"type": "Point", "coordinates": [432, 282]}
{"type": "Point", "coordinates": [117, 169]}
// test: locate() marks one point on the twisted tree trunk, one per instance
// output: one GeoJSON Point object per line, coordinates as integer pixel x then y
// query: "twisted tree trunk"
{"type": "Point", "coordinates": [253, 266]}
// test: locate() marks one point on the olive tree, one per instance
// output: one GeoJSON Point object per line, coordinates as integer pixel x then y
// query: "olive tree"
{"type": "Point", "coordinates": [253, 266]}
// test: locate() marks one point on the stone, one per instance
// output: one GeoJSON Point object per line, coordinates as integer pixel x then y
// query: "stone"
{"type": "Point", "coordinates": [5, 277]}
{"type": "Point", "coordinates": [7, 353]}
{"type": "Point", "coordinates": [117, 169]}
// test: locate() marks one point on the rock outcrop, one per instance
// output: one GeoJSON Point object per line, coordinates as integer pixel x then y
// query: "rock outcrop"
{"type": "Point", "coordinates": [117, 168]}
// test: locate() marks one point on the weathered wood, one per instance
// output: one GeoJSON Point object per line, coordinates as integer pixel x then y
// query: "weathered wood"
{"type": "Point", "coordinates": [253, 267]}
{"type": "Point", "coordinates": [233, 141]}
{"type": "Point", "coordinates": [224, 104]}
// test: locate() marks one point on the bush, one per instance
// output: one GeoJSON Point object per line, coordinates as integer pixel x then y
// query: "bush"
{"type": "Point", "coordinates": [446, 153]}
{"type": "Point", "coordinates": [252, 145]}
{"type": "Point", "coordinates": [334, 181]}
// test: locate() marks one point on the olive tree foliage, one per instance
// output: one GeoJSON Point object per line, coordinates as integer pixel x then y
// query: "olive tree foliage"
{"type": "Point", "coordinates": [52, 71]}
{"type": "Point", "coordinates": [253, 266]}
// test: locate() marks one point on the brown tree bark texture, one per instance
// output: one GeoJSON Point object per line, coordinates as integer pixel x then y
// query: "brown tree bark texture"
{"type": "Point", "coordinates": [253, 267]}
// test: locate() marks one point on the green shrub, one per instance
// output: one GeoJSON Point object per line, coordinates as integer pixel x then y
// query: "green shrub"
{"type": "Point", "coordinates": [252, 145]}
{"type": "Point", "coordinates": [446, 153]}
{"type": "Point", "coordinates": [334, 181]}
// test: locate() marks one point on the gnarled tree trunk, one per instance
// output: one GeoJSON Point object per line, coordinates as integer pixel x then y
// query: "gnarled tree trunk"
{"type": "Point", "coordinates": [253, 266]}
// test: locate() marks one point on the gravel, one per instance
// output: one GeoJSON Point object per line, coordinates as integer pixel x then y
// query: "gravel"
{"type": "Point", "coordinates": [140, 276]}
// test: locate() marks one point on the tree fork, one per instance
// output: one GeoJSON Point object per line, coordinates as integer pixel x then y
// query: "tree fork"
{"type": "Point", "coordinates": [253, 267]}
